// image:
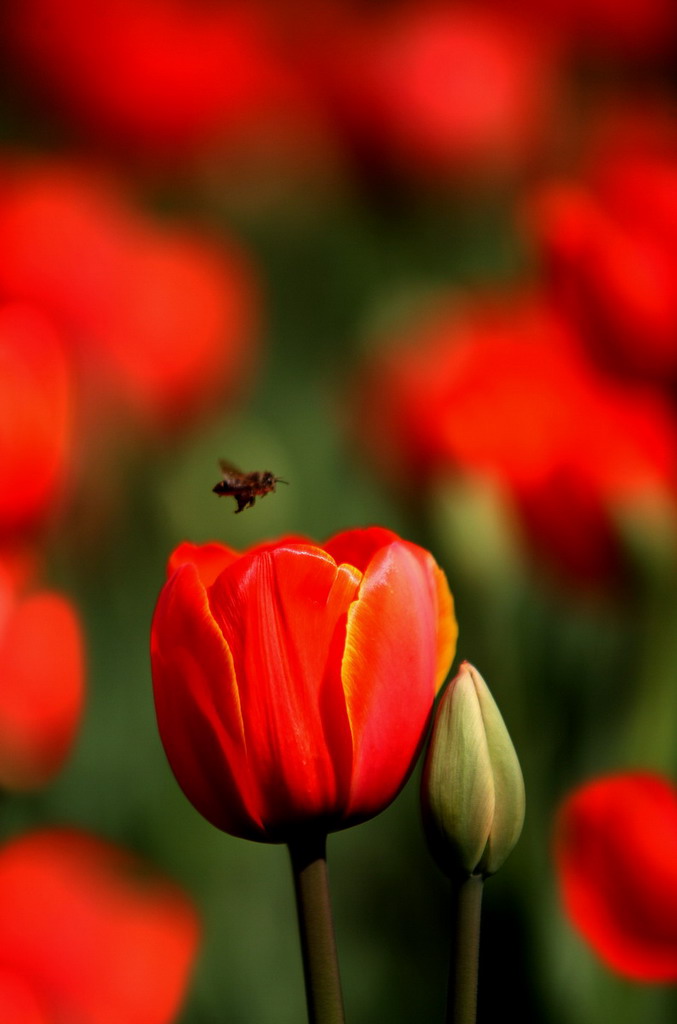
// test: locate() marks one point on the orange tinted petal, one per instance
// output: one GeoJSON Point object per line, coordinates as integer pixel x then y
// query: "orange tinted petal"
{"type": "Point", "coordinates": [447, 626]}
{"type": "Point", "coordinates": [390, 671]}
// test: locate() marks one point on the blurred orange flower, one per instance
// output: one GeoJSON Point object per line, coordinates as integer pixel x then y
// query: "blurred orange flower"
{"type": "Point", "coordinates": [89, 934]}
{"type": "Point", "coordinates": [42, 693]}
{"type": "Point", "coordinates": [294, 683]}
{"type": "Point", "coordinates": [500, 389]}
{"type": "Point", "coordinates": [616, 855]}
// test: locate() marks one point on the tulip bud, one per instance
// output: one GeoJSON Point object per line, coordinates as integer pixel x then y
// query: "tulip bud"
{"type": "Point", "coordinates": [473, 790]}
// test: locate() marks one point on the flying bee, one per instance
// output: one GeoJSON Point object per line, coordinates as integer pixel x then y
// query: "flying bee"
{"type": "Point", "coordinates": [244, 487]}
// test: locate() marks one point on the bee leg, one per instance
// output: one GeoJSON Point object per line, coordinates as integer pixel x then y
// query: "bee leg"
{"type": "Point", "coordinates": [242, 502]}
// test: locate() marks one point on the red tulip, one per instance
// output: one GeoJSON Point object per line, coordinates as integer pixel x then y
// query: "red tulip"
{"type": "Point", "coordinates": [89, 934]}
{"type": "Point", "coordinates": [616, 856]}
{"type": "Point", "coordinates": [294, 683]}
{"type": "Point", "coordinates": [42, 692]}
{"type": "Point", "coordinates": [500, 390]}
{"type": "Point", "coordinates": [35, 418]}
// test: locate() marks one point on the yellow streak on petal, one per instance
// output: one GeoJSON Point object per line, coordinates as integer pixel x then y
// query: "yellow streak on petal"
{"type": "Point", "coordinates": [447, 628]}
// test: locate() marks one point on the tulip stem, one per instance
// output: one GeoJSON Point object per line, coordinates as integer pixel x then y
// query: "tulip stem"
{"type": "Point", "coordinates": [316, 927]}
{"type": "Point", "coordinates": [464, 963]}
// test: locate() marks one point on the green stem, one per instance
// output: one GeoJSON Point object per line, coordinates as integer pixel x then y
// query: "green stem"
{"type": "Point", "coordinates": [316, 927]}
{"type": "Point", "coordinates": [465, 948]}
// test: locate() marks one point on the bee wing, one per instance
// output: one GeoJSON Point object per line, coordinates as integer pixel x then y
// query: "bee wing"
{"type": "Point", "coordinates": [228, 469]}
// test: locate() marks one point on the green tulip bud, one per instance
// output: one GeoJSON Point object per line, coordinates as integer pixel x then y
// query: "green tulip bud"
{"type": "Point", "coordinates": [473, 791]}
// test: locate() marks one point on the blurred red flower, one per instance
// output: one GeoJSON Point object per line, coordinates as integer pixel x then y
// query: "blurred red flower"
{"type": "Point", "coordinates": [35, 419]}
{"type": "Point", "coordinates": [157, 318]}
{"type": "Point", "coordinates": [89, 934]}
{"type": "Point", "coordinates": [42, 693]}
{"type": "Point", "coordinates": [294, 683]}
{"type": "Point", "coordinates": [156, 77]}
{"type": "Point", "coordinates": [435, 90]}
{"type": "Point", "coordinates": [499, 389]}
{"type": "Point", "coordinates": [610, 245]}
{"type": "Point", "coordinates": [616, 856]}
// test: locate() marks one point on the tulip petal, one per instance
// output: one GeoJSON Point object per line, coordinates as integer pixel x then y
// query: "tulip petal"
{"type": "Point", "coordinates": [198, 706]}
{"type": "Point", "coordinates": [283, 613]}
{"type": "Point", "coordinates": [18, 1002]}
{"type": "Point", "coordinates": [390, 671]}
{"type": "Point", "coordinates": [447, 626]}
{"type": "Point", "coordinates": [209, 559]}
{"type": "Point", "coordinates": [358, 547]}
